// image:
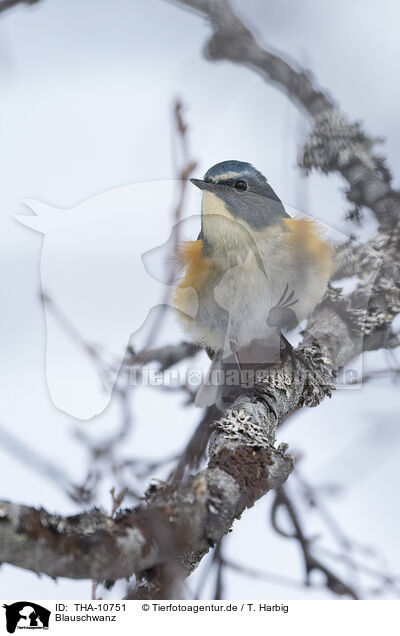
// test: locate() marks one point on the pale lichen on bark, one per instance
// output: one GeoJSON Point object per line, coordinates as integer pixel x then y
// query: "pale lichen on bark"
{"type": "Point", "coordinates": [179, 521]}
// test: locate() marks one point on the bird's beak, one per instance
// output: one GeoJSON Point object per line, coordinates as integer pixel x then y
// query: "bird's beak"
{"type": "Point", "coordinates": [204, 185]}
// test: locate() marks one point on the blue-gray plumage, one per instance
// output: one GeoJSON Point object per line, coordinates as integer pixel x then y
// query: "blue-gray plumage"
{"type": "Point", "coordinates": [245, 191]}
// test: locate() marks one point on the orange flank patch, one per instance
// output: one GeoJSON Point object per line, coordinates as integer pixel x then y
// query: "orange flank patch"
{"type": "Point", "coordinates": [199, 270]}
{"type": "Point", "coordinates": [308, 238]}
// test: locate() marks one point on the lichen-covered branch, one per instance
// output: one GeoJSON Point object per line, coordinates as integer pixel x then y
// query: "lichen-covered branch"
{"type": "Point", "coordinates": [181, 519]}
{"type": "Point", "coordinates": [177, 524]}
{"type": "Point", "coordinates": [335, 144]}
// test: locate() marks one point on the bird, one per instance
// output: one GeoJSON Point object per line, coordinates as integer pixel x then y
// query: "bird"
{"type": "Point", "coordinates": [253, 274]}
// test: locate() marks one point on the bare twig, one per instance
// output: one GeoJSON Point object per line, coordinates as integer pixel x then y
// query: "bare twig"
{"type": "Point", "coordinates": [311, 563]}
{"type": "Point", "coordinates": [169, 534]}
{"type": "Point", "coordinates": [117, 500]}
{"type": "Point", "coordinates": [183, 174]}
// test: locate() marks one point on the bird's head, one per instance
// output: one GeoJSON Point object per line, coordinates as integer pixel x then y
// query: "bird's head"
{"type": "Point", "coordinates": [235, 189]}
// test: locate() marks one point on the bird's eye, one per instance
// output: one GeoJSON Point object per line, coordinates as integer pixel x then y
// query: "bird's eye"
{"type": "Point", "coordinates": [240, 186]}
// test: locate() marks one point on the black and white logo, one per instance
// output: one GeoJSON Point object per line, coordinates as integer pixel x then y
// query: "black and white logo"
{"type": "Point", "coordinates": [26, 615]}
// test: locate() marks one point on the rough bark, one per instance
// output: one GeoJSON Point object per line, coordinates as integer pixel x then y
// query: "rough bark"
{"type": "Point", "coordinates": [180, 520]}
{"type": "Point", "coordinates": [334, 144]}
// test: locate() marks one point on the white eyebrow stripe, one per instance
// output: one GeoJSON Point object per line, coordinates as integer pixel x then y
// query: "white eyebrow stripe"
{"type": "Point", "coordinates": [226, 176]}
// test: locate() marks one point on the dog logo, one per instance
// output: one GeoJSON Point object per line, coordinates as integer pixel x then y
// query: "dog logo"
{"type": "Point", "coordinates": [26, 615]}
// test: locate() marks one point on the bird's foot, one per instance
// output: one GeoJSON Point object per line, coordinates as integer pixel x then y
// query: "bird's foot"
{"type": "Point", "coordinates": [235, 350]}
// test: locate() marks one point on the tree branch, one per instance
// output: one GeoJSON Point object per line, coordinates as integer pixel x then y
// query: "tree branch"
{"type": "Point", "coordinates": [334, 144]}
{"type": "Point", "coordinates": [311, 563]}
{"type": "Point", "coordinates": [8, 4]}
{"type": "Point", "coordinates": [179, 521]}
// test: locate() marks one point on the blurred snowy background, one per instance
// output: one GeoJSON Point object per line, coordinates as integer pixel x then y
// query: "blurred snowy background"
{"type": "Point", "coordinates": [86, 101]}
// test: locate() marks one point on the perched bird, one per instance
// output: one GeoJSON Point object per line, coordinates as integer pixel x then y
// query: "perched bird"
{"type": "Point", "coordinates": [253, 273]}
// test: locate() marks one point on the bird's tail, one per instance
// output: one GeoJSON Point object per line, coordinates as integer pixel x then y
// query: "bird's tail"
{"type": "Point", "coordinates": [210, 391]}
